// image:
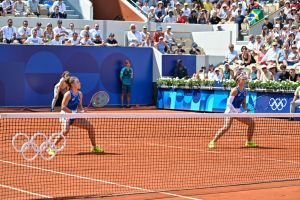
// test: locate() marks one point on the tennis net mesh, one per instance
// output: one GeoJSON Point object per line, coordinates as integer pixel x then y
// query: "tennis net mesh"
{"type": "Point", "coordinates": [143, 153]}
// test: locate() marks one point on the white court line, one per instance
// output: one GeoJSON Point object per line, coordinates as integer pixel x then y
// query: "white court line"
{"type": "Point", "coordinates": [24, 191]}
{"type": "Point", "coordinates": [98, 180]}
{"type": "Point", "coordinates": [217, 152]}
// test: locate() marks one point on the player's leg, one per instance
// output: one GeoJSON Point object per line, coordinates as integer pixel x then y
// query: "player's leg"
{"type": "Point", "coordinates": [55, 97]}
{"type": "Point", "coordinates": [128, 94]}
{"type": "Point", "coordinates": [221, 131]}
{"type": "Point", "coordinates": [122, 95]}
{"type": "Point", "coordinates": [65, 127]}
{"type": "Point", "coordinates": [294, 105]}
{"type": "Point", "coordinates": [251, 125]}
{"type": "Point", "coordinates": [85, 124]}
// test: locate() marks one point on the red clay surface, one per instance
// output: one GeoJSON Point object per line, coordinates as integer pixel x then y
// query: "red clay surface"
{"type": "Point", "coordinates": [157, 154]}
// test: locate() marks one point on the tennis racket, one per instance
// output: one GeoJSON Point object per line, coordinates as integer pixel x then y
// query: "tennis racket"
{"type": "Point", "coordinates": [99, 100]}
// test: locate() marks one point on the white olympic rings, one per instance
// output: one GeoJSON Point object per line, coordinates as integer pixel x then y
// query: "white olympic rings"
{"type": "Point", "coordinates": [30, 144]}
{"type": "Point", "coordinates": [278, 103]}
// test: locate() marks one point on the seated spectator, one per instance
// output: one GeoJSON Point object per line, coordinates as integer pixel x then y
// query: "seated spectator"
{"type": "Point", "coordinates": [275, 73]}
{"type": "Point", "coordinates": [96, 30]}
{"type": "Point", "coordinates": [180, 70]}
{"type": "Point", "coordinates": [195, 50]}
{"type": "Point", "coordinates": [146, 42]}
{"type": "Point", "coordinates": [134, 37]}
{"type": "Point", "coordinates": [74, 40]}
{"type": "Point", "coordinates": [19, 8]}
{"type": "Point", "coordinates": [271, 55]}
{"type": "Point", "coordinates": [254, 73]}
{"type": "Point", "coordinates": [158, 33]}
{"type": "Point", "coordinates": [239, 19]}
{"type": "Point", "coordinates": [224, 13]}
{"type": "Point", "coordinates": [261, 53]}
{"type": "Point", "coordinates": [179, 50]}
{"type": "Point", "coordinates": [284, 75]}
{"type": "Point", "coordinates": [145, 7]}
{"type": "Point", "coordinates": [193, 19]}
{"type": "Point", "coordinates": [170, 18]}
{"type": "Point", "coordinates": [268, 42]}
{"type": "Point", "coordinates": [257, 44]}
{"type": "Point", "coordinates": [161, 45]}
{"type": "Point", "coordinates": [218, 76]}
{"type": "Point", "coordinates": [86, 30]}
{"type": "Point", "coordinates": [169, 37]}
{"type": "Point", "coordinates": [232, 55]}
{"type": "Point", "coordinates": [265, 75]}
{"type": "Point", "coordinates": [23, 32]}
{"type": "Point", "coordinates": [228, 73]}
{"type": "Point", "coordinates": [86, 41]}
{"type": "Point", "coordinates": [33, 8]}
{"type": "Point", "coordinates": [38, 29]}
{"type": "Point", "coordinates": [7, 7]}
{"type": "Point", "coordinates": [202, 19]}
{"type": "Point", "coordinates": [159, 12]}
{"type": "Point", "coordinates": [247, 57]}
{"type": "Point", "coordinates": [293, 56]}
{"type": "Point", "coordinates": [180, 19]}
{"type": "Point", "coordinates": [207, 5]}
{"type": "Point", "coordinates": [211, 72]}
{"type": "Point", "coordinates": [242, 8]}
{"type": "Point", "coordinates": [151, 14]}
{"type": "Point", "coordinates": [71, 30]}
{"type": "Point", "coordinates": [251, 43]}
{"type": "Point", "coordinates": [56, 13]}
{"type": "Point", "coordinates": [296, 23]}
{"type": "Point", "coordinates": [62, 31]}
{"type": "Point", "coordinates": [186, 11]}
{"type": "Point", "coordinates": [56, 41]}
{"type": "Point", "coordinates": [62, 8]}
{"type": "Point", "coordinates": [9, 32]}
{"type": "Point", "coordinates": [98, 40]}
{"type": "Point", "coordinates": [48, 4]}
{"type": "Point", "coordinates": [245, 27]}
{"type": "Point", "coordinates": [214, 18]}
{"type": "Point", "coordinates": [201, 75]}
{"type": "Point", "coordinates": [48, 33]}
{"type": "Point", "coordinates": [34, 39]}
{"type": "Point", "coordinates": [111, 41]}
{"type": "Point", "coordinates": [293, 76]}
{"type": "Point", "coordinates": [145, 33]}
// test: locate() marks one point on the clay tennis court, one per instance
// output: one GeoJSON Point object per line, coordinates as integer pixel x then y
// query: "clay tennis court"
{"type": "Point", "coordinates": [153, 158]}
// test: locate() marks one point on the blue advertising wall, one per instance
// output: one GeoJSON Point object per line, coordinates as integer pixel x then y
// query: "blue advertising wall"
{"type": "Point", "coordinates": [28, 73]}
{"type": "Point", "coordinates": [169, 63]}
{"type": "Point", "coordinates": [215, 100]}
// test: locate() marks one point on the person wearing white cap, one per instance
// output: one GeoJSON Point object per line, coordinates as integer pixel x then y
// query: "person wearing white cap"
{"type": "Point", "coordinates": [265, 75]}
{"type": "Point", "coordinates": [271, 55]}
{"type": "Point", "coordinates": [293, 56]}
{"type": "Point", "coordinates": [254, 73]}
{"type": "Point", "coordinates": [169, 37]}
{"type": "Point", "coordinates": [186, 11]}
{"type": "Point", "coordinates": [218, 76]}
{"type": "Point", "coordinates": [236, 100]}
{"type": "Point", "coordinates": [151, 14]}
{"type": "Point", "coordinates": [160, 12]}
{"type": "Point", "coordinates": [134, 37]}
{"type": "Point", "coordinates": [161, 45]}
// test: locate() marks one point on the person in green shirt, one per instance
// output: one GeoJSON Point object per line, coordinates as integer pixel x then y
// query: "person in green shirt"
{"type": "Point", "coordinates": [126, 77]}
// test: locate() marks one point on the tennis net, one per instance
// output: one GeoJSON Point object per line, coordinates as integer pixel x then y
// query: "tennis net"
{"type": "Point", "coordinates": [143, 153]}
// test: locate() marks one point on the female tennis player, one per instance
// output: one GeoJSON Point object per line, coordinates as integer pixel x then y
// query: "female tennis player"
{"type": "Point", "coordinates": [61, 86]}
{"type": "Point", "coordinates": [236, 98]}
{"type": "Point", "coordinates": [72, 103]}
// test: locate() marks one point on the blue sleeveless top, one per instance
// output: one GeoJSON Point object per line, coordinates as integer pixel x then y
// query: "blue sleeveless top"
{"type": "Point", "coordinates": [74, 101]}
{"type": "Point", "coordinates": [239, 98]}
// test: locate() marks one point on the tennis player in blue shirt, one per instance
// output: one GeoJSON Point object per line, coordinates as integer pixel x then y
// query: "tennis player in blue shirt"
{"type": "Point", "coordinates": [126, 76]}
{"type": "Point", "coordinates": [236, 99]}
{"type": "Point", "coordinates": [72, 103]}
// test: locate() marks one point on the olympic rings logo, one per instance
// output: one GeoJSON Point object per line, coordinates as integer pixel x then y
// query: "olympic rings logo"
{"type": "Point", "coordinates": [278, 103]}
{"type": "Point", "coordinates": [36, 149]}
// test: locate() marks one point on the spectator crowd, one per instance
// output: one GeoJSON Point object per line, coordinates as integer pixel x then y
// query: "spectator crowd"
{"type": "Point", "coordinates": [21, 8]}
{"type": "Point", "coordinates": [58, 35]}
